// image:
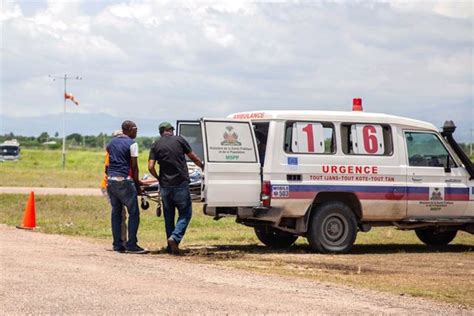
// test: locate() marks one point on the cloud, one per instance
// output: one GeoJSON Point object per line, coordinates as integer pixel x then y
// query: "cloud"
{"type": "Point", "coordinates": [194, 59]}
{"type": "Point", "coordinates": [10, 10]}
{"type": "Point", "coordinates": [453, 9]}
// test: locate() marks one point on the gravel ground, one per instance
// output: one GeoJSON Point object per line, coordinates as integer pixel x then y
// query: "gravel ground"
{"type": "Point", "coordinates": [56, 274]}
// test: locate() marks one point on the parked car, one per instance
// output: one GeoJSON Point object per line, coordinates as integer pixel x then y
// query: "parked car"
{"type": "Point", "coordinates": [10, 150]}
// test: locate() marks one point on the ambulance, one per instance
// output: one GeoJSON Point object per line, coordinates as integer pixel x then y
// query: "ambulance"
{"type": "Point", "coordinates": [327, 175]}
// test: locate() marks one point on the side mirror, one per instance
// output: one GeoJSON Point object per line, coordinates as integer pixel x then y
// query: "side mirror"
{"type": "Point", "coordinates": [447, 168]}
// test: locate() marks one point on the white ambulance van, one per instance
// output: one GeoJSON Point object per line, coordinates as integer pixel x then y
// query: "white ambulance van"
{"type": "Point", "coordinates": [327, 175]}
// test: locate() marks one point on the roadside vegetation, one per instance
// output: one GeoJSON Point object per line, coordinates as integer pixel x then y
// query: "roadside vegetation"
{"type": "Point", "coordinates": [383, 259]}
{"type": "Point", "coordinates": [73, 141]}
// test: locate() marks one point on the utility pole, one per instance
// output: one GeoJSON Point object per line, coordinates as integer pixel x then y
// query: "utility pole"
{"type": "Point", "coordinates": [65, 78]}
{"type": "Point", "coordinates": [470, 143]}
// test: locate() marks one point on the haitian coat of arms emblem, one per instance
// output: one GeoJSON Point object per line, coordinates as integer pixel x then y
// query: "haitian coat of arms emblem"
{"type": "Point", "coordinates": [230, 137]}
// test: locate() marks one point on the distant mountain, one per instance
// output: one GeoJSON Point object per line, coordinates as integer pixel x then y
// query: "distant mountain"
{"type": "Point", "coordinates": [85, 124]}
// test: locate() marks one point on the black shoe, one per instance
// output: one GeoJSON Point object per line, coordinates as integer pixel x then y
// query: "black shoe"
{"type": "Point", "coordinates": [136, 249]}
{"type": "Point", "coordinates": [174, 246]}
{"type": "Point", "coordinates": [119, 249]}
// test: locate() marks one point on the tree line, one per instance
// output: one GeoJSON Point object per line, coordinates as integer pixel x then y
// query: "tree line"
{"type": "Point", "coordinates": [75, 140]}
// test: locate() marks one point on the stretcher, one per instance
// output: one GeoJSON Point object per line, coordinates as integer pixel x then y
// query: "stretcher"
{"type": "Point", "coordinates": [151, 192]}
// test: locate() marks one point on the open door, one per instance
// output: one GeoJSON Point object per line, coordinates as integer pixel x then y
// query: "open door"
{"type": "Point", "coordinates": [191, 131]}
{"type": "Point", "coordinates": [232, 167]}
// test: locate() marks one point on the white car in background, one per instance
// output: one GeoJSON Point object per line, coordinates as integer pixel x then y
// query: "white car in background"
{"type": "Point", "coordinates": [10, 150]}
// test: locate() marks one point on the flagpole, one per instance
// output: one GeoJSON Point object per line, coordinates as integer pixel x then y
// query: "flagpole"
{"type": "Point", "coordinates": [64, 124]}
{"type": "Point", "coordinates": [65, 78]}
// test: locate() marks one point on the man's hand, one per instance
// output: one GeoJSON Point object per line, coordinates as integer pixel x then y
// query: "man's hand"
{"type": "Point", "coordinates": [139, 188]}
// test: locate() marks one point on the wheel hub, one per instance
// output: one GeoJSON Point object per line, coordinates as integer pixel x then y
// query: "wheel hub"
{"type": "Point", "coordinates": [334, 229]}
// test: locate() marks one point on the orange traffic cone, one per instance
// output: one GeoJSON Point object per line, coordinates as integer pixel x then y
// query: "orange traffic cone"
{"type": "Point", "coordinates": [29, 219]}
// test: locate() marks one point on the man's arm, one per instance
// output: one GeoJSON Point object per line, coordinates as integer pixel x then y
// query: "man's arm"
{"type": "Point", "coordinates": [151, 168]}
{"type": "Point", "coordinates": [134, 165]}
{"type": "Point", "coordinates": [195, 158]}
{"type": "Point", "coordinates": [152, 157]}
{"type": "Point", "coordinates": [190, 153]}
{"type": "Point", "coordinates": [135, 174]}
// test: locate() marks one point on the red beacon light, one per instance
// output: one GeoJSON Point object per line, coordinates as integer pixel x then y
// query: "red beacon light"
{"type": "Point", "coordinates": [357, 104]}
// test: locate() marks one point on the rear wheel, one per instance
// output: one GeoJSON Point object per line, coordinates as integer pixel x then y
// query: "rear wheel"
{"type": "Point", "coordinates": [274, 238]}
{"type": "Point", "coordinates": [432, 237]}
{"type": "Point", "coordinates": [332, 228]}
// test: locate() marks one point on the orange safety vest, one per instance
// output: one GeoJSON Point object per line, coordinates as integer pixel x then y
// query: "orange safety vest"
{"type": "Point", "coordinates": [103, 184]}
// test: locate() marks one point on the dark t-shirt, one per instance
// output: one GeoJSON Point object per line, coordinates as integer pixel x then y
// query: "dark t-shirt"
{"type": "Point", "coordinates": [169, 153]}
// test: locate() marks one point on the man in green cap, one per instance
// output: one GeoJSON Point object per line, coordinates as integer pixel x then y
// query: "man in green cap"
{"type": "Point", "coordinates": [169, 152]}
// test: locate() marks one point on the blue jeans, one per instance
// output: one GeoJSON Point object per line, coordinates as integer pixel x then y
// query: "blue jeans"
{"type": "Point", "coordinates": [124, 193]}
{"type": "Point", "coordinates": [180, 198]}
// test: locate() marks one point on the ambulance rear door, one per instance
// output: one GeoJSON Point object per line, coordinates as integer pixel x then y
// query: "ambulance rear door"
{"type": "Point", "coordinates": [232, 168]}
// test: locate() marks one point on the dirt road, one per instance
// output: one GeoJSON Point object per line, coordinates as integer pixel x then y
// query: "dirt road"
{"type": "Point", "coordinates": [57, 274]}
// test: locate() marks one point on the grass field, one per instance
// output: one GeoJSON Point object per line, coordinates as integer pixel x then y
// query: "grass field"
{"type": "Point", "coordinates": [383, 259]}
{"type": "Point", "coordinates": [43, 168]}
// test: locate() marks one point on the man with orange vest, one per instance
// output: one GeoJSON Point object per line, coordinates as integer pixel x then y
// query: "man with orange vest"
{"type": "Point", "coordinates": [103, 187]}
{"type": "Point", "coordinates": [123, 187]}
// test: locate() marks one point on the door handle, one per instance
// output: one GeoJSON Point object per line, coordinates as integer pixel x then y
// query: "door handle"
{"type": "Point", "coordinates": [416, 179]}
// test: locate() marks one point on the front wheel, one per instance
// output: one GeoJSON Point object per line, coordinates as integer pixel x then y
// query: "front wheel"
{"type": "Point", "coordinates": [432, 237]}
{"type": "Point", "coordinates": [274, 238]}
{"type": "Point", "coordinates": [332, 228]}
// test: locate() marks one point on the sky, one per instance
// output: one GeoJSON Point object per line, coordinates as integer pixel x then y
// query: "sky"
{"type": "Point", "coordinates": [186, 60]}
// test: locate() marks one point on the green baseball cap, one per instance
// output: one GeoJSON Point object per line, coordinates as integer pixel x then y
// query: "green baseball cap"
{"type": "Point", "coordinates": [165, 125]}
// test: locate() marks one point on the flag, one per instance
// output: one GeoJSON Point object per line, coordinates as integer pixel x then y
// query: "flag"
{"type": "Point", "coordinates": [71, 97]}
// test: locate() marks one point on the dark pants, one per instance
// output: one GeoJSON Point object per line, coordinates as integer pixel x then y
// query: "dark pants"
{"type": "Point", "coordinates": [124, 193]}
{"type": "Point", "coordinates": [180, 198]}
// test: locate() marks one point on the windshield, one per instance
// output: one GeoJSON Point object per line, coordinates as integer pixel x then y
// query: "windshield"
{"type": "Point", "coordinates": [9, 150]}
{"type": "Point", "coordinates": [193, 135]}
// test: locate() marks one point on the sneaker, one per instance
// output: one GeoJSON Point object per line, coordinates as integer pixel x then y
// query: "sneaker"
{"type": "Point", "coordinates": [136, 249]}
{"type": "Point", "coordinates": [119, 249]}
{"type": "Point", "coordinates": [174, 246]}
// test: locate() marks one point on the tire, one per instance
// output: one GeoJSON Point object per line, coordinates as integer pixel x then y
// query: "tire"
{"type": "Point", "coordinates": [274, 238]}
{"type": "Point", "coordinates": [332, 228]}
{"type": "Point", "coordinates": [432, 237]}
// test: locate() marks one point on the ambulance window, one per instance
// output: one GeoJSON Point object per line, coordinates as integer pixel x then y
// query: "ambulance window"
{"type": "Point", "coordinates": [261, 135]}
{"type": "Point", "coordinates": [310, 138]}
{"type": "Point", "coordinates": [366, 139]}
{"type": "Point", "coordinates": [426, 150]}
{"type": "Point", "coordinates": [193, 135]}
